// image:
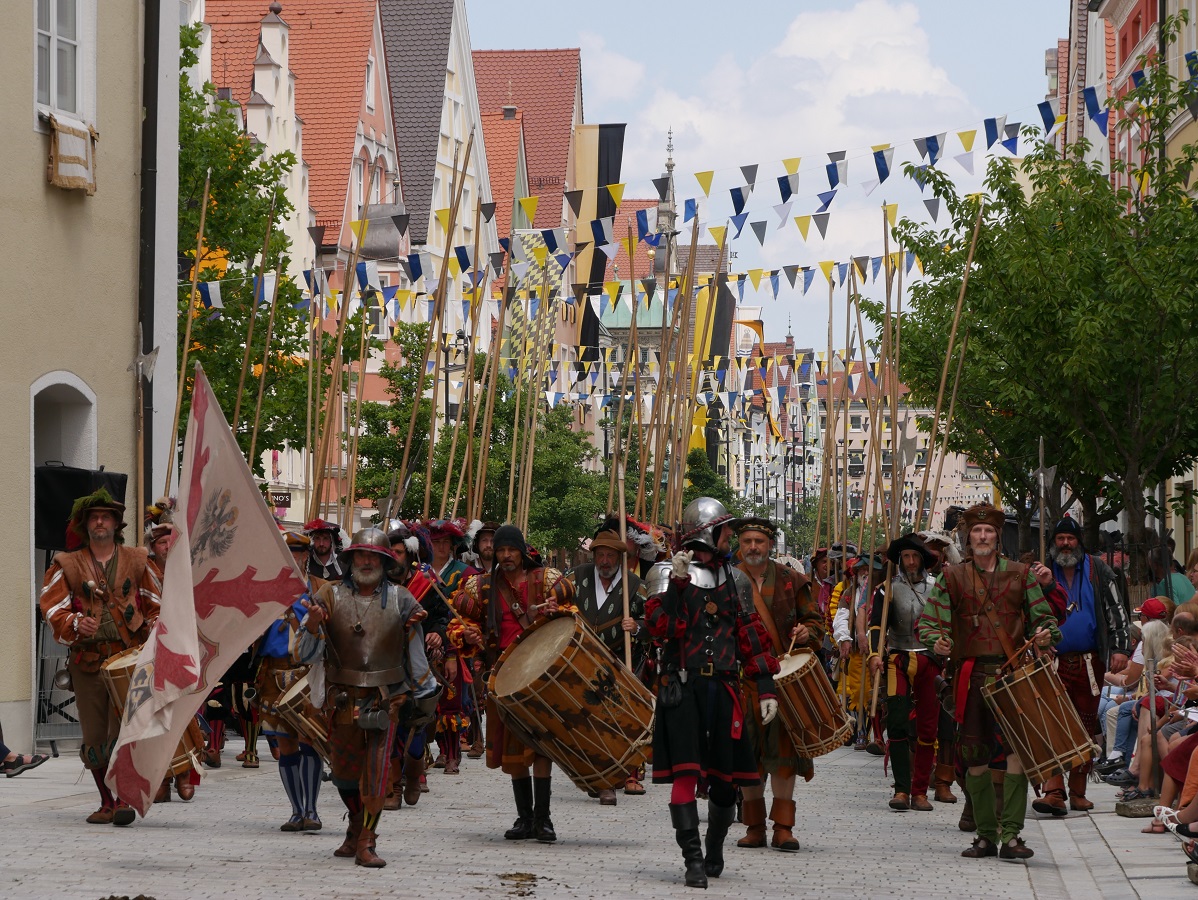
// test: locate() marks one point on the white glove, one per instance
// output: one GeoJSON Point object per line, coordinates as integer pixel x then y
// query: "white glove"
{"type": "Point", "coordinates": [769, 709]}
{"type": "Point", "coordinates": [680, 565]}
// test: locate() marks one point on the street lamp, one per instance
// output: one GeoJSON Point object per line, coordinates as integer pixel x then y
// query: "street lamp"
{"type": "Point", "coordinates": [459, 344]}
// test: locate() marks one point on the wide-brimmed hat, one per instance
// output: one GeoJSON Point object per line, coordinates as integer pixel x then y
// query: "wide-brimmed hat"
{"type": "Point", "coordinates": [446, 529]}
{"type": "Point", "coordinates": [756, 523]}
{"type": "Point", "coordinates": [296, 540]}
{"type": "Point", "coordinates": [894, 552]}
{"type": "Point", "coordinates": [98, 500]}
{"type": "Point", "coordinates": [872, 560]}
{"type": "Point", "coordinates": [610, 540]}
{"type": "Point", "coordinates": [840, 551]}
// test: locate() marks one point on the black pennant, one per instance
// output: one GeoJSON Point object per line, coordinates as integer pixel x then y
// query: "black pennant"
{"type": "Point", "coordinates": [663, 185]}
{"type": "Point", "coordinates": [487, 210]}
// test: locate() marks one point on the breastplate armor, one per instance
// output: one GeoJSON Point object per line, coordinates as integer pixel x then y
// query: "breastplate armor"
{"type": "Point", "coordinates": [374, 654]}
{"type": "Point", "coordinates": [906, 604]}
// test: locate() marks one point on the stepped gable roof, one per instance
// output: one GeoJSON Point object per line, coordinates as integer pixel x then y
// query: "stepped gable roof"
{"type": "Point", "coordinates": [543, 84]}
{"type": "Point", "coordinates": [328, 48]}
{"type": "Point", "coordinates": [416, 35]}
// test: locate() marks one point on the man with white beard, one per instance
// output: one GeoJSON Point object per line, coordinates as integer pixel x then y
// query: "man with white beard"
{"type": "Point", "coordinates": [1094, 639]}
{"type": "Point", "coordinates": [375, 664]}
{"type": "Point", "coordinates": [790, 614]}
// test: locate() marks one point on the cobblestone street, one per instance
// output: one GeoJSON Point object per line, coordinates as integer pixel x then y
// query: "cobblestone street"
{"type": "Point", "coordinates": [226, 843]}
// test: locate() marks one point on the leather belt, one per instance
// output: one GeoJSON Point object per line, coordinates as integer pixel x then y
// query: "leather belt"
{"type": "Point", "coordinates": [710, 671]}
{"type": "Point", "coordinates": [104, 649]}
{"type": "Point", "coordinates": [359, 678]}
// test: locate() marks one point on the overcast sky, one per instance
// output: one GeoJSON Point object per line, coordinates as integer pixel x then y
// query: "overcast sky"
{"type": "Point", "coordinates": [758, 81]}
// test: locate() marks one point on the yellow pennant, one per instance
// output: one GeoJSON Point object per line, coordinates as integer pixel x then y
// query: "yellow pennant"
{"type": "Point", "coordinates": [540, 254]}
{"type": "Point", "coordinates": [804, 223]}
{"type": "Point", "coordinates": [704, 179]}
{"type": "Point", "coordinates": [454, 268]}
{"type": "Point", "coordinates": [333, 295]}
{"type": "Point", "coordinates": [792, 165]}
{"type": "Point", "coordinates": [717, 232]}
{"type": "Point", "coordinates": [612, 289]}
{"type": "Point", "coordinates": [755, 277]}
{"type": "Point", "coordinates": [826, 267]}
{"type": "Point", "coordinates": [443, 217]}
{"type": "Point", "coordinates": [529, 205]}
{"type": "Point", "coordinates": [404, 298]}
{"type": "Point", "coordinates": [891, 210]}
{"type": "Point", "coordinates": [967, 139]}
{"type": "Point", "coordinates": [617, 192]}
{"type": "Point", "coordinates": [628, 243]}
{"type": "Point", "coordinates": [358, 227]}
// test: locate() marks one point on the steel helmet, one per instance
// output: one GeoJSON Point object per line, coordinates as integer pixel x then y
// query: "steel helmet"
{"type": "Point", "coordinates": [701, 520]}
{"type": "Point", "coordinates": [373, 539]}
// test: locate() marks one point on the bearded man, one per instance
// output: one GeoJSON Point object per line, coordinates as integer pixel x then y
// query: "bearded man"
{"type": "Point", "coordinates": [325, 564]}
{"type": "Point", "coordinates": [99, 601]}
{"type": "Point", "coordinates": [973, 611]}
{"type": "Point", "coordinates": [374, 665]}
{"type": "Point", "coordinates": [1094, 639]}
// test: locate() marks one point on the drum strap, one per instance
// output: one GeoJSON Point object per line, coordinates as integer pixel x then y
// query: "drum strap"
{"type": "Point", "coordinates": [767, 618]}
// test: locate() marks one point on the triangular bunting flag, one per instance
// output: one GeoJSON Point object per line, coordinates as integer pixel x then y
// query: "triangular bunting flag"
{"type": "Point", "coordinates": [821, 222]}
{"type": "Point", "coordinates": [717, 232]}
{"type": "Point", "coordinates": [529, 206]}
{"type": "Point", "coordinates": [965, 160]}
{"type": "Point", "coordinates": [617, 193]}
{"type": "Point", "coordinates": [704, 179]}
{"type": "Point", "coordinates": [443, 218]}
{"type": "Point", "coordinates": [759, 230]}
{"type": "Point", "coordinates": [750, 174]}
{"type": "Point", "coordinates": [663, 185]}
{"type": "Point", "coordinates": [792, 165]}
{"type": "Point", "coordinates": [739, 222]}
{"type": "Point", "coordinates": [966, 138]}
{"type": "Point", "coordinates": [804, 223]}
{"type": "Point", "coordinates": [574, 198]}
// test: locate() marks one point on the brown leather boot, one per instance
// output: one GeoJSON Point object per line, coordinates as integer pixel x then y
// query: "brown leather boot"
{"type": "Point", "coordinates": [1053, 801]}
{"type": "Point", "coordinates": [184, 786]}
{"type": "Point", "coordinates": [998, 777]}
{"type": "Point", "coordinates": [413, 769]}
{"type": "Point", "coordinates": [966, 822]}
{"type": "Point", "coordinates": [349, 847]}
{"type": "Point", "coordinates": [366, 855]}
{"type": "Point", "coordinates": [944, 784]}
{"type": "Point", "coordinates": [782, 812]}
{"type": "Point", "coordinates": [1077, 791]}
{"type": "Point", "coordinates": [393, 799]}
{"type": "Point", "coordinates": [920, 802]}
{"type": "Point", "coordinates": [752, 814]}
{"type": "Point", "coordinates": [900, 802]}
{"type": "Point", "coordinates": [164, 792]}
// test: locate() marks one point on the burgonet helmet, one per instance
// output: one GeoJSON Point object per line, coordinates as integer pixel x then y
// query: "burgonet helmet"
{"type": "Point", "coordinates": [371, 539]}
{"type": "Point", "coordinates": [701, 522]}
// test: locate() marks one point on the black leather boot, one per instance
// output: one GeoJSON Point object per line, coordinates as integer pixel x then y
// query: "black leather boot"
{"type": "Point", "coordinates": [685, 817]}
{"type": "Point", "coordinates": [521, 829]}
{"type": "Point", "coordinates": [542, 826]}
{"type": "Point", "coordinates": [718, 820]}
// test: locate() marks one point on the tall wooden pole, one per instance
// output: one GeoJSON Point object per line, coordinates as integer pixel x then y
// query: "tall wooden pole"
{"type": "Point", "coordinates": [624, 569]}
{"type": "Point", "coordinates": [270, 330]}
{"type": "Point", "coordinates": [351, 487]}
{"type": "Point", "coordinates": [249, 337]}
{"type": "Point", "coordinates": [948, 421]}
{"type": "Point", "coordinates": [521, 362]}
{"type": "Point", "coordinates": [548, 318]}
{"type": "Point", "coordinates": [328, 421]}
{"type": "Point", "coordinates": [484, 449]}
{"type": "Point", "coordinates": [191, 305]}
{"type": "Point", "coordinates": [663, 362]}
{"type": "Point", "coordinates": [952, 339]}
{"type": "Point", "coordinates": [825, 468]}
{"type": "Point", "coordinates": [632, 359]}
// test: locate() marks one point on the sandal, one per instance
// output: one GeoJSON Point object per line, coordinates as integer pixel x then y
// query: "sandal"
{"type": "Point", "coordinates": [1191, 850]}
{"type": "Point", "coordinates": [1137, 794]}
{"type": "Point", "coordinates": [14, 767]}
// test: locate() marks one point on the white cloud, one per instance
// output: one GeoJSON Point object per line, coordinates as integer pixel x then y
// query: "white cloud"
{"type": "Point", "coordinates": [835, 80]}
{"type": "Point", "coordinates": [607, 76]}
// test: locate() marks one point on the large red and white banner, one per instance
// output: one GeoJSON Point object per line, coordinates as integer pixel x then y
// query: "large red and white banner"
{"type": "Point", "coordinates": [214, 604]}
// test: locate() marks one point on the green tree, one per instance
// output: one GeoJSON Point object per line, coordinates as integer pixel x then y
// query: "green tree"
{"type": "Point", "coordinates": [245, 182]}
{"type": "Point", "coordinates": [1080, 305]}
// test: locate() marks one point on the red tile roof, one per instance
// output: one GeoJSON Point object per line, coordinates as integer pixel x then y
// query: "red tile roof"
{"type": "Point", "coordinates": [502, 138]}
{"type": "Point", "coordinates": [328, 46]}
{"type": "Point", "coordinates": [625, 219]}
{"type": "Point", "coordinates": [544, 85]}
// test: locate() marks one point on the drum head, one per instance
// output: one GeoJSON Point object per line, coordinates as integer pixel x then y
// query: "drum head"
{"type": "Point", "coordinates": [788, 665]}
{"type": "Point", "coordinates": [533, 656]}
{"type": "Point", "coordinates": [299, 687]}
{"type": "Point", "coordinates": [126, 659]}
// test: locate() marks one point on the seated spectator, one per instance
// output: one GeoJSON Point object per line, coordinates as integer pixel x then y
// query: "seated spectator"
{"type": "Point", "coordinates": [1121, 728]}
{"type": "Point", "coordinates": [13, 764]}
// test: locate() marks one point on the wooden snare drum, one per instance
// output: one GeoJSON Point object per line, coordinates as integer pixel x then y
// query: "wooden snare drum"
{"type": "Point", "coordinates": [295, 708]}
{"type": "Point", "coordinates": [560, 689]}
{"type": "Point", "coordinates": [808, 707]}
{"type": "Point", "coordinates": [117, 673]}
{"type": "Point", "coordinates": [1038, 720]}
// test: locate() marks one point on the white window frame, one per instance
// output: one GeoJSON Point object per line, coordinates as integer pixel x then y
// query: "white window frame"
{"type": "Point", "coordinates": [85, 66]}
{"type": "Point", "coordinates": [370, 83]}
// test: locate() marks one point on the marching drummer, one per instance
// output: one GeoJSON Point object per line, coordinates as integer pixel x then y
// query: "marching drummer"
{"type": "Point", "coordinates": [495, 608]}
{"type": "Point", "coordinates": [782, 598]}
{"type": "Point", "coordinates": [966, 609]}
{"type": "Point", "coordinates": [99, 601]}
{"type": "Point", "coordinates": [702, 611]}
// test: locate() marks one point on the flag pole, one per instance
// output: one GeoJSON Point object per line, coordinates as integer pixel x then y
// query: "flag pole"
{"type": "Point", "coordinates": [191, 302]}
{"type": "Point", "coordinates": [270, 327]}
{"type": "Point", "coordinates": [630, 358]}
{"type": "Point", "coordinates": [663, 364]}
{"type": "Point", "coordinates": [249, 337]}
{"type": "Point", "coordinates": [478, 280]}
{"type": "Point", "coordinates": [484, 448]}
{"type": "Point", "coordinates": [356, 424]}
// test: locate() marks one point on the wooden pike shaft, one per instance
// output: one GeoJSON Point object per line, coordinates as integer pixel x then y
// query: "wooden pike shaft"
{"type": "Point", "coordinates": [697, 368]}
{"type": "Point", "coordinates": [328, 424]}
{"type": "Point", "coordinates": [681, 367]}
{"type": "Point", "coordinates": [471, 401]}
{"type": "Point", "coordinates": [270, 330]}
{"type": "Point", "coordinates": [428, 339]}
{"type": "Point", "coordinates": [249, 337]}
{"type": "Point", "coordinates": [624, 569]}
{"type": "Point", "coordinates": [191, 303]}
{"type": "Point", "coordinates": [442, 291]}
{"type": "Point", "coordinates": [632, 359]}
{"type": "Point", "coordinates": [828, 418]}
{"type": "Point", "coordinates": [662, 367]}
{"type": "Point", "coordinates": [518, 358]}
{"type": "Point", "coordinates": [484, 448]}
{"type": "Point", "coordinates": [948, 355]}
{"type": "Point", "coordinates": [316, 370]}
{"type": "Point", "coordinates": [948, 419]}
{"type": "Point", "coordinates": [548, 316]}
{"type": "Point", "coordinates": [467, 379]}
{"type": "Point", "coordinates": [356, 425]}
